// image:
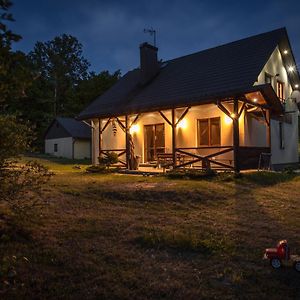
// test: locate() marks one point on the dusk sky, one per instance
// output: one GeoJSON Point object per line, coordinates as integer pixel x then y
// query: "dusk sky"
{"type": "Point", "coordinates": [111, 31]}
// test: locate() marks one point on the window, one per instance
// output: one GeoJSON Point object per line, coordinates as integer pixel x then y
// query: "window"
{"type": "Point", "coordinates": [280, 90]}
{"type": "Point", "coordinates": [268, 78]}
{"type": "Point", "coordinates": [55, 148]}
{"type": "Point", "coordinates": [281, 135]}
{"type": "Point", "coordinates": [209, 133]}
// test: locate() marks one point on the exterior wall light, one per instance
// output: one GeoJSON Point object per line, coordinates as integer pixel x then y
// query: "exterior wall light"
{"type": "Point", "coordinates": [227, 120]}
{"type": "Point", "coordinates": [134, 129]}
{"type": "Point", "coordinates": [285, 52]}
{"type": "Point", "coordinates": [291, 68]}
{"type": "Point", "coordinates": [182, 124]}
{"type": "Point", "coordinates": [233, 115]}
{"type": "Point", "coordinates": [296, 86]}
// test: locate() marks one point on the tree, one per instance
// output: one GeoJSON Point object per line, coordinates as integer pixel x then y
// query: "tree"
{"type": "Point", "coordinates": [61, 66]}
{"type": "Point", "coordinates": [15, 75]}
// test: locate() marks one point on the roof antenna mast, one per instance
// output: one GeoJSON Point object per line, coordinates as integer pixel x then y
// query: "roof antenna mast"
{"type": "Point", "coordinates": [152, 32]}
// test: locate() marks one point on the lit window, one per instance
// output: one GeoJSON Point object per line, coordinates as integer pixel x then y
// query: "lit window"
{"type": "Point", "coordinates": [280, 90]}
{"type": "Point", "coordinates": [209, 133]}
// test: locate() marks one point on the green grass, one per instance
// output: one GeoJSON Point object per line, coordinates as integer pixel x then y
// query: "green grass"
{"type": "Point", "coordinates": [113, 236]}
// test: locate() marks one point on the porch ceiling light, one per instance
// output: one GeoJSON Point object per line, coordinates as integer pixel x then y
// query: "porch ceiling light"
{"type": "Point", "coordinates": [134, 129]}
{"type": "Point", "coordinates": [182, 124]}
{"type": "Point", "coordinates": [254, 99]}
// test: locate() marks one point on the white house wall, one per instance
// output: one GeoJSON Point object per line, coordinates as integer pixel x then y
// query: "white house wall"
{"type": "Point", "coordinates": [289, 154]}
{"type": "Point", "coordinates": [64, 147]}
{"type": "Point", "coordinates": [82, 149]}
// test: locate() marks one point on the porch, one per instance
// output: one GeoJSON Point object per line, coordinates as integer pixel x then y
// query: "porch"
{"type": "Point", "coordinates": [228, 134]}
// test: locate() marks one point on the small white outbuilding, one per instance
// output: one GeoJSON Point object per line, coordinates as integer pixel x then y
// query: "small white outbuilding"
{"type": "Point", "coordinates": [68, 138]}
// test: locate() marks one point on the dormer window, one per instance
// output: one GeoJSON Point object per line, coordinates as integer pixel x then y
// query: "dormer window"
{"type": "Point", "coordinates": [280, 90]}
{"type": "Point", "coordinates": [268, 78]}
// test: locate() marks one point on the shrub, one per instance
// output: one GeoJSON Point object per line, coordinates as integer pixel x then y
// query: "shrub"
{"type": "Point", "coordinates": [191, 174]}
{"type": "Point", "coordinates": [96, 169]}
{"type": "Point", "coordinates": [109, 159]}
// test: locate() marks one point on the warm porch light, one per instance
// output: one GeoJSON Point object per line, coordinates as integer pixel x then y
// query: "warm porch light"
{"type": "Point", "coordinates": [228, 120]}
{"type": "Point", "coordinates": [134, 128]}
{"type": "Point", "coordinates": [182, 124]}
{"type": "Point", "coordinates": [233, 115]}
{"type": "Point", "coordinates": [285, 52]}
{"type": "Point", "coordinates": [291, 68]}
{"type": "Point", "coordinates": [254, 99]}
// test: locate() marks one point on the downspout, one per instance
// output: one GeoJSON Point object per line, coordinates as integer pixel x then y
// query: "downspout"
{"type": "Point", "coordinates": [73, 143]}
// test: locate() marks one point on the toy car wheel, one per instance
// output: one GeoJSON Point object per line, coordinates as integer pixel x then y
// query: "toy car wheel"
{"type": "Point", "coordinates": [275, 263]}
{"type": "Point", "coordinates": [297, 266]}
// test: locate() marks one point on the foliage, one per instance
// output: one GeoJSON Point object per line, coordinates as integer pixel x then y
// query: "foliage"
{"type": "Point", "coordinates": [61, 66]}
{"type": "Point", "coordinates": [21, 185]}
{"type": "Point", "coordinates": [15, 137]}
{"type": "Point", "coordinates": [191, 174]}
{"type": "Point", "coordinates": [96, 169]}
{"type": "Point", "coordinates": [109, 159]}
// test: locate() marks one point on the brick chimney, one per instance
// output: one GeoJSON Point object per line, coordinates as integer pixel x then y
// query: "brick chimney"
{"type": "Point", "coordinates": [149, 63]}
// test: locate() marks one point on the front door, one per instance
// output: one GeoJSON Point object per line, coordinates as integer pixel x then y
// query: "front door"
{"type": "Point", "coordinates": [154, 141]}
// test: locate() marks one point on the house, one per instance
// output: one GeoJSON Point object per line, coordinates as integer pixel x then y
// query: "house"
{"type": "Point", "coordinates": [228, 107]}
{"type": "Point", "coordinates": [66, 137]}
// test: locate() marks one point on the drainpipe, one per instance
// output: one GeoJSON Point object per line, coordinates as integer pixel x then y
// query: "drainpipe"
{"type": "Point", "coordinates": [73, 142]}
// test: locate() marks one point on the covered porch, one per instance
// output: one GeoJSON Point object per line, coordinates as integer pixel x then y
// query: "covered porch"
{"type": "Point", "coordinates": [228, 133]}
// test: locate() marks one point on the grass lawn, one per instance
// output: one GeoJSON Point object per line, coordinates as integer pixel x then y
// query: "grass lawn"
{"type": "Point", "coordinates": [132, 237]}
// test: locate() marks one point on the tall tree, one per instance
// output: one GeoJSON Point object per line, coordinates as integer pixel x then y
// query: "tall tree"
{"type": "Point", "coordinates": [61, 66]}
{"type": "Point", "coordinates": [15, 75]}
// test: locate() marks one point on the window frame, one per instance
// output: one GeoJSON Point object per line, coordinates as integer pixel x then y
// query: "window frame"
{"type": "Point", "coordinates": [267, 75]}
{"type": "Point", "coordinates": [209, 124]}
{"type": "Point", "coordinates": [55, 146]}
{"type": "Point", "coordinates": [281, 135]}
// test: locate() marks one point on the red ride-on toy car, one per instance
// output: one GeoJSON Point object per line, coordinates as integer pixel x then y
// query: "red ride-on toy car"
{"type": "Point", "coordinates": [281, 256]}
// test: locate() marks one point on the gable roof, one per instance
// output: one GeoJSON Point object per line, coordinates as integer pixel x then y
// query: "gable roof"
{"type": "Point", "coordinates": [71, 128]}
{"type": "Point", "coordinates": [193, 79]}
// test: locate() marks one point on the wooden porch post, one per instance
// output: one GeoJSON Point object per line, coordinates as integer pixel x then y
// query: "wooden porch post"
{"type": "Point", "coordinates": [100, 137]}
{"type": "Point", "coordinates": [268, 123]}
{"type": "Point", "coordinates": [174, 138]}
{"type": "Point", "coordinates": [127, 143]}
{"type": "Point", "coordinates": [236, 135]}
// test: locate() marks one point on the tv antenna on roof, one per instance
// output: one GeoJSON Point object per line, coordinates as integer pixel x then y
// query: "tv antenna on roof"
{"type": "Point", "coordinates": [152, 32]}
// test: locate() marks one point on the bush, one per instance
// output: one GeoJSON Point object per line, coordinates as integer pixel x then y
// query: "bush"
{"type": "Point", "coordinates": [96, 169]}
{"type": "Point", "coordinates": [109, 159]}
{"type": "Point", "coordinates": [191, 174]}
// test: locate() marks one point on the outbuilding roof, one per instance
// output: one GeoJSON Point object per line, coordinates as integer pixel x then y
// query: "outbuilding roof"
{"type": "Point", "coordinates": [68, 127]}
{"type": "Point", "coordinates": [194, 79]}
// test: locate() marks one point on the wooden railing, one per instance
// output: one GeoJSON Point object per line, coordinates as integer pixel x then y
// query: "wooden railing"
{"type": "Point", "coordinates": [120, 152]}
{"type": "Point", "coordinates": [208, 160]}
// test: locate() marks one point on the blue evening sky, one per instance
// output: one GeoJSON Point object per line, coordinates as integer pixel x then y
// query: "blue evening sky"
{"type": "Point", "coordinates": [111, 31]}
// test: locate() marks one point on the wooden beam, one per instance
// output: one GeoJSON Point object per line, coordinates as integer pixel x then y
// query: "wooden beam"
{"type": "Point", "coordinates": [166, 119]}
{"type": "Point", "coordinates": [236, 135]}
{"type": "Point", "coordinates": [100, 137]}
{"type": "Point", "coordinates": [268, 117]}
{"type": "Point", "coordinates": [183, 115]}
{"type": "Point", "coordinates": [224, 109]}
{"type": "Point", "coordinates": [242, 109]}
{"type": "Point", "coordinates": [106, 124]}
{"type": "Point", "coordinates": [127, 143]}
{"type": "Point", "coordinates": [120, 124]}
{"type": "Point", "coordinates": [174, 139]}
{"type": "Point", "coordinates": [135, 119]}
